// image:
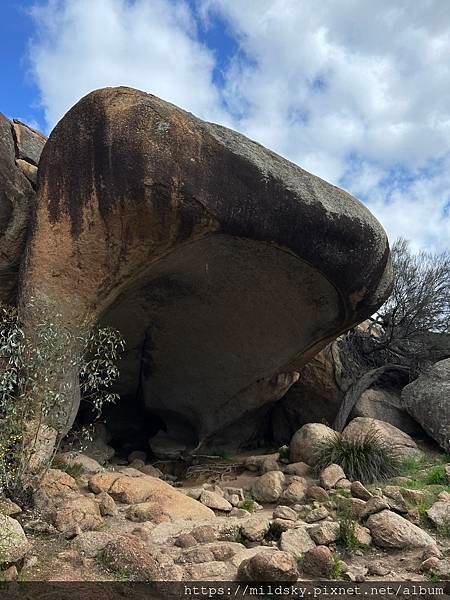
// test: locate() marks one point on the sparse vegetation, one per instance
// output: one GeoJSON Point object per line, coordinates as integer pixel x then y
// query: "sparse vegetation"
{"type": "Point", "coordinates": [75, 470]}
{"type": "Point", "coordinates": [337, 567]}
{"type": "Point", "coordinates": [248, 504]}
{"type": "Point", "coordinates": [347, 526]}
{"type": "Point", "coordinates": [38, 384]}
{"type": "Point", "coordinates": [436, 476]}
{"type": "Point", "coordinates": [367, 459]}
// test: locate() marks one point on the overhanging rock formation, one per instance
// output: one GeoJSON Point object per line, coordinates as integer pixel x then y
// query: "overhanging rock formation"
{"type": "Point", "coordinates": [225, 267]}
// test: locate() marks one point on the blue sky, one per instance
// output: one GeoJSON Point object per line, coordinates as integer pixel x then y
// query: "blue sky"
{"type": "Point", "coordinates": [355, 91]}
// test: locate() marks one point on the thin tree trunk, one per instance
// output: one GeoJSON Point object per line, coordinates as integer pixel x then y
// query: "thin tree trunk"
{"type": "Point", "coordinates": [355, 391]}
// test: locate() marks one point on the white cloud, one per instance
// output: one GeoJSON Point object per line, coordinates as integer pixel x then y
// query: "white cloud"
{"type": "Point", "coordinates": [354, 91]}
{"type": "Point", "coordinates": [83, 45]}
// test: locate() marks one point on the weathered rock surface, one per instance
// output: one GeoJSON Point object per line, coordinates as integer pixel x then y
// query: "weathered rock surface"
{"type": "Point", "coordinates": [427, 401]}
{"type": "Point", "coordinates": [13, 541]}
{"type": "Point", "coordinates": [155, 213]}
{"type": "Point", "coordinates": [318, 562]}
{"type": "Point", "coordinates": [400, 442]}
{"type": "Point", "coordinates": [165, 499]}
{"type": "Point", "coordinates": [296, 541]}
{"type": "Point", "coordinates": [306, 440]}
{"type": "Point", "coordinates": [330, 476]}
{"type": "Point", "coordinates": [390, 530]}
{"type": "Point", "coordinates": [385, 405]}
{"type": "Point", "coordinates": [17, 198]}
{"type": "Point", "coordinates": [268, 487]}
{"type": "Point", "coordinates": [269, 566]}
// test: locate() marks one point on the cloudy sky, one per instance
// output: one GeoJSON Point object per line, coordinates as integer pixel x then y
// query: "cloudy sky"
{"type": "Point", "coordinates": [355, 91]}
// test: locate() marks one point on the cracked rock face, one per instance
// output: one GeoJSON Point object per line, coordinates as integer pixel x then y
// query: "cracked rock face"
{"type": "Point", "coordinates": [20, 148]}
{"type": "Point", "coordinates": [225, 266]}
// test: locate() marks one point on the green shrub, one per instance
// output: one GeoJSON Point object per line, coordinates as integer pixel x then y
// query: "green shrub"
{"type": "Point", "coordinates": [436, 476]}
{"type": "Point", "coordinates": [42, 371]}
{"type": "Point", "coordinates": [368, 459]}
{"type": "Point", "coordinates": [337, 567]}
{"type": "Point", "coordinates": [346, 536]}
{"type": "Point", "coordinates": [248, 504]}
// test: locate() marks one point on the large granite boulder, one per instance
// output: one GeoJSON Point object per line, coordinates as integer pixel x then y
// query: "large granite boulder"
{"type": "Point", "coordinates": [225, 266]}
{"type": "Point", "coordinates": [20, 148]}
{"type": "Point", "coordinates": [427, 399]}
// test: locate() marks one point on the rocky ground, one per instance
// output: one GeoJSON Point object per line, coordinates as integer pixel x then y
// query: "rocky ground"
{"type": "Point", "coordinates": [263, 517]}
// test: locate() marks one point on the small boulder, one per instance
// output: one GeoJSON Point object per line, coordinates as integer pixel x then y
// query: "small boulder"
{"type": "Point", "coordinates": [108, 507]}
{"type": "Point", "coordinates": [359, 491]}
{"type": "Point", "coordinates": [204, 534]}
{"type": "Point", "coordinates": [303, 446]}
{"type": "Point", "coordinates": [374, 505]}
{"type": "Point", "coordinates": [255, 463]}
{"type": "Point", "coordinates": [325, 533]}
{"type": "Point", "coordinates": [390, 530]}
{"type": "Point", "coordinates": [316, 492]}
{"type": "Point", "coordinates": [269, 566]}
{"type": "Point", "coordinates": [255, 528]}
{"type": "Point", "coordinates": [299, 468]}
{"type": "Point", "coordinates": [296, 541]}
{"type": "Point", "coordinates": [284, 512]}
{"type": "Point", "coordinates": [295, 491]}
{"type": "Point", "coordinates": [317, 514]}
{"type": "Point", "coordinates": [319, 562]}
{"type": "Point", "coordinates": [268, 487]}
{"type": "Point", "coordinates": [400, 442]}
{"type": "Point", "coordinates": [330, 476]}
{"type": "Point", "coordinates": [215, 501]}
{"type": "Point", "coordinates": [13, 541]}
{"type": "Point", "coordinates": [439, 514]}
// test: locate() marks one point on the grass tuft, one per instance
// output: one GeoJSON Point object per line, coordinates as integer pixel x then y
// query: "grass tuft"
{"type": "Point", "coordinates": [367, 459]}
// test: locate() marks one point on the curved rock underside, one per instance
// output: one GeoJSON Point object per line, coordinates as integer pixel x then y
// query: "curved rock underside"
{"type": "Point", "coordinates": [225, 267]}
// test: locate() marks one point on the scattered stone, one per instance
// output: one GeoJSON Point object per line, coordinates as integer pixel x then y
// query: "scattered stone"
{"type": "Point", "coordinates": [254, 463]}
{"type": "Point", "coordinates": [108, 507]}
{"type": "Point", "coordinates": [208, 571]}
{"type": "Point", "coordinates": [152, 471]}
{"type": "Point", "coordinates": [377, 568]}
{"type": "Point", "coordinates": [304, 444]}
{"type": "Point", "coordinates": [185, 540]}
{"type": "Point", "coordinates": [299, 468]}
{"type": "Point", "coordinates": [269, 566]}
{"type": "Point", "coordinates": [90, 543]}
{"type": "Point", "coordinates": [214, 501]}
{"type": "Point", "coordinates": [204, 534]}
{"type": "Point", "coordinates": [270, 464]}
{"type": "Point", "coordinates": [355, 573]}
{"type": "Point", "coordinates": [359, 491]}
{"type": "Point", "coordinates": [284, 512]}
{"type": "Point", "coordinates": [439, 514]}
{"type": "Point", "coordinates": [88, 464]}
{"type": "Point", "coordinates": [362, 535]}
{"type": "Point", "coordinates": [431, 550]}
{"type": "Point", "coordinates": [9, 508]}
{"type": "Point", "coordinates": [9, 574]}
{"type": "Point", "coordinates": [268, 487]}
{"type": "Point", "coordinates": [199, 554]}
{"type": "Point", "coordinates": [437, 567]}
{"type": "Point", "coordinates": [318, 562]}
{"type": "Point", "coordinates": [317, 514]}
{"type": "Point", "coordinates": [395, 499]}
{"type": "Point", "coordinates": [325, 533]}
{"type": "Point", "coordinates": [255, 528]}
{"type": "Point", "coordinates": [230, 492]}
{"type": "Point", "coordinates": [373, 505]}
{"type": "Point", "coordinates": [390, 530]}
{"type": "Point", "coordinates": [353, 506]}
{"type": "Point", "coordinates": [296, 541]}
{"type": "Point", "coordinates": [343, 484]}
{"type": "Point", "coordinates": [413, 496]}
{"type": "Point", "coordinates": [277, 526]}
{"type": "Point", "coordinates": [330, 476]}
{"type": "Point", "coordinates": [13, 541]}
{"type": "Point", "coordinates": [295, 491]}
{"type": "Point", "coordinates": [240, 513]}
{"type": "Point", "coordinates": [317, 493]}
{"type": "Point", "coordinates": [126, 554]}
